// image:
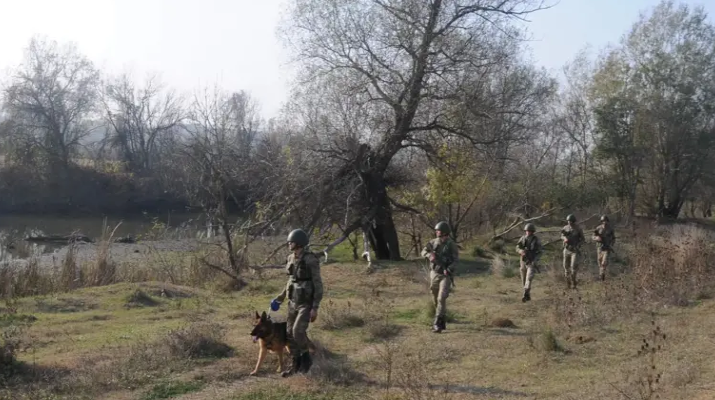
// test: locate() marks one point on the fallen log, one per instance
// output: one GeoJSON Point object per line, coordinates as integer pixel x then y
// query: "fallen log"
{"type": "Point", "coordinates": [519, 220]}
{"type": "Point", "coordinates": [59, 239]}
{"type": "Point", "coordinates": [126, 239]}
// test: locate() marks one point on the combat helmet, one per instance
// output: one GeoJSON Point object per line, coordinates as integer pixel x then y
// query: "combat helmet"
{"type": "Point", "coordinates": [299, 237]}
{"type": "Point", "coordinates": [443, 227]}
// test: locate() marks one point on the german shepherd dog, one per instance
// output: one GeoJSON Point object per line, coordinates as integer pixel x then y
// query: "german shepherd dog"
{"type": "Point", "coordinates": [272, 337]}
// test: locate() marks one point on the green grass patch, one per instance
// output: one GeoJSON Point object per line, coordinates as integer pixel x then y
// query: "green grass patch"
{"type": "Point", "coordinates": [264, 287]}
{"type": "Point", "coordinates": [479, 251]}
{"type": "Point", "coordinates": [342, 253]}
{"type": "Point", "coordinates": [16, 319]}
{"type": "Point", "coordinates": [428, 312]}
{"type": "Point", "coordinates": [62, 305]}
{"type": "Point", "coordinates": [411, 315]}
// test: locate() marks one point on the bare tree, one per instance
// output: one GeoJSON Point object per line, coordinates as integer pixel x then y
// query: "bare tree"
{"type": "Point", "coordinates": [50, 98]}
{"type": "Point", "coordinates": [137, 117]}
{"type": "Point", "coordinates": [410, 66]}
{"type": "Point", "coordinates": [216, 158]}
{"type": "Point", "coordinates": [575, 117]}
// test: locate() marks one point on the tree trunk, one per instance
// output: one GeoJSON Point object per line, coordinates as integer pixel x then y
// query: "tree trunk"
{"type": "Point", "coordinates": [383, 237]}
{"type": "Point", "coordinates": [383, 234]}
{"type": "Point", "coordinates": [672, 210]}
{"type": "Point", "coordinates": [223, 215]}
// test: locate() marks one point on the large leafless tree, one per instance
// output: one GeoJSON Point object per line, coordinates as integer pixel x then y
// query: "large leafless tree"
{"type": "Point", "coordinates": [137, 117]}
{"type": "Point", "coordinates": [412, 69]}
{"type": "Point", "coordinates": [50, 99]}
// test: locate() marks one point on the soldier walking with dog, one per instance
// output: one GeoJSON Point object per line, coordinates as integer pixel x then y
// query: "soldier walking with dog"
{"type": "Point", "coordinates": [305, 292]}
{"type": "Point", "coordinates": [605, 237]}
{"type": "Point", "coordinates": [529, 248]}
{"type": "Point", "coordinates": [443, 254]}
{"type": "Point", "coordinates": [573, 238]}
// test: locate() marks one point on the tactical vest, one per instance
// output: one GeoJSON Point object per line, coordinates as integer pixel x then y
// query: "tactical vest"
{"type": "Point", "coordinates": [572, 236]}
{"type": "Point", "coordinates": [301, 289]}
{"type": "Point", "coordinates": [530, 247]}
{"type": "Point", "coordinates": [443, 253]}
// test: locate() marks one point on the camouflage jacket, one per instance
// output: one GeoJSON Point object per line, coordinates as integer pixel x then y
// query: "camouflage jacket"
{"type": "Point", "coordinates": [447, 254]}
{"type": "Point", "coordinates": [607, 235]}
{"type": "Point", "coordinates": [305, 285]}
{"type": "Point", "coordinates": [532, 246]}
{"type": "Point", "coordinates": [575, 237]}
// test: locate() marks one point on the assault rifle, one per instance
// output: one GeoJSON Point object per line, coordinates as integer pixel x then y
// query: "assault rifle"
{"type": "Point", "coordinates": [445, 260]}
{"type": "Point", "coordinates": [569, 238]}
{"type": "Point", "coordinates": [529, 258]}
{"type": "Point", "coordinates": [601, 244]}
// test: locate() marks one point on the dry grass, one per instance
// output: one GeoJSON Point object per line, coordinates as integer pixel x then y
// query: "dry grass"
{"type": "Point", "coordinates": [373, 339]}
{"type": "Point", "coordinates": [674, 266]}
{"type": "Point", "coordinates": [504, 267]}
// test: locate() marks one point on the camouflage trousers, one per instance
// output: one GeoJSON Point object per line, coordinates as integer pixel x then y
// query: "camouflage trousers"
{"type": "Point", "coordinates": [527, 273]}
{"type": "Point", "coordinates": [439, 286]}
{"type": "Point", "coordinates": [571, 259]}
{"type": "Point", "coordinates": [602, 257]}
{"type": "Point", "coordinates": [297, 328]}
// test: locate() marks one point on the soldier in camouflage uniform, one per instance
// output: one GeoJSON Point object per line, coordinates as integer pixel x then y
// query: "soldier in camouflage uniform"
{"type": "Point", "coordinates": [443, 254]}
{"type": "Point", "coordinates": [529, 248]}
{"type": "Point", "coordinates": [605, 237]}
{"type": "Point", "coordinates": [573, 238]}
{"type": "Point", "coordinates": [305, 292]}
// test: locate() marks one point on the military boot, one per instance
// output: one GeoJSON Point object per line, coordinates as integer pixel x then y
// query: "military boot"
{"type": "Point", "coordinates": [527, 296]}
{"type": "Point", "coordinates": [306, 361]}
{"type": "Point", "coordinates": [443, 323]}
{"type": "Point", "coordinates": [437, 325]}
{"type": "Point", "coordinates": [297, 363]}
{"type": "Point", "coordinates": [603, 276]}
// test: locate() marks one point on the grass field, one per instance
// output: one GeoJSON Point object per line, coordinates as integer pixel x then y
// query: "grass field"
{"type": "Point", "coordinates": [153, 340]}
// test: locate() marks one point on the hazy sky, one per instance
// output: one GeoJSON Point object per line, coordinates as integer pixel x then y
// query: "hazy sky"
{"type": "Point", "coordinates": [194, 43]}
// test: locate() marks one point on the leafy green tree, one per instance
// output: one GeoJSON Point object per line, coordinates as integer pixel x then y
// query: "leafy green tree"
{"type": "Point", "coordinates": [655, 99]}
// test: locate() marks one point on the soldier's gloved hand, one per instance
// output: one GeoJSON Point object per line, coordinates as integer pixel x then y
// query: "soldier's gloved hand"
{"type": "Point", "coordinates": [275, 305]}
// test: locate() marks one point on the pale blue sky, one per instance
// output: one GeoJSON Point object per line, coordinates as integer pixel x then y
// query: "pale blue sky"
{"type": "Point", "coordinates": [194, 43]}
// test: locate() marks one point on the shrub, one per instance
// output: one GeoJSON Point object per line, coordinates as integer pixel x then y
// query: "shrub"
{"type": "Point", "coordinates": [674, 266]}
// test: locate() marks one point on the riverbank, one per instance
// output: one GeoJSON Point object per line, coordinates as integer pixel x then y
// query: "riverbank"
{"type": "Point", "coordinates": [120, 253]}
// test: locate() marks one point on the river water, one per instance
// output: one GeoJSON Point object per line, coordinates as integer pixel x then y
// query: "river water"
{"type": "Point", "coordinates": [15, 228]}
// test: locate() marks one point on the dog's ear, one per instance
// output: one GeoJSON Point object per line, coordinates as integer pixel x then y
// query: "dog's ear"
{"type": "Point", "coordinates": [263, 316]}
{"type": "Point", "coordinates": [258, 316]}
